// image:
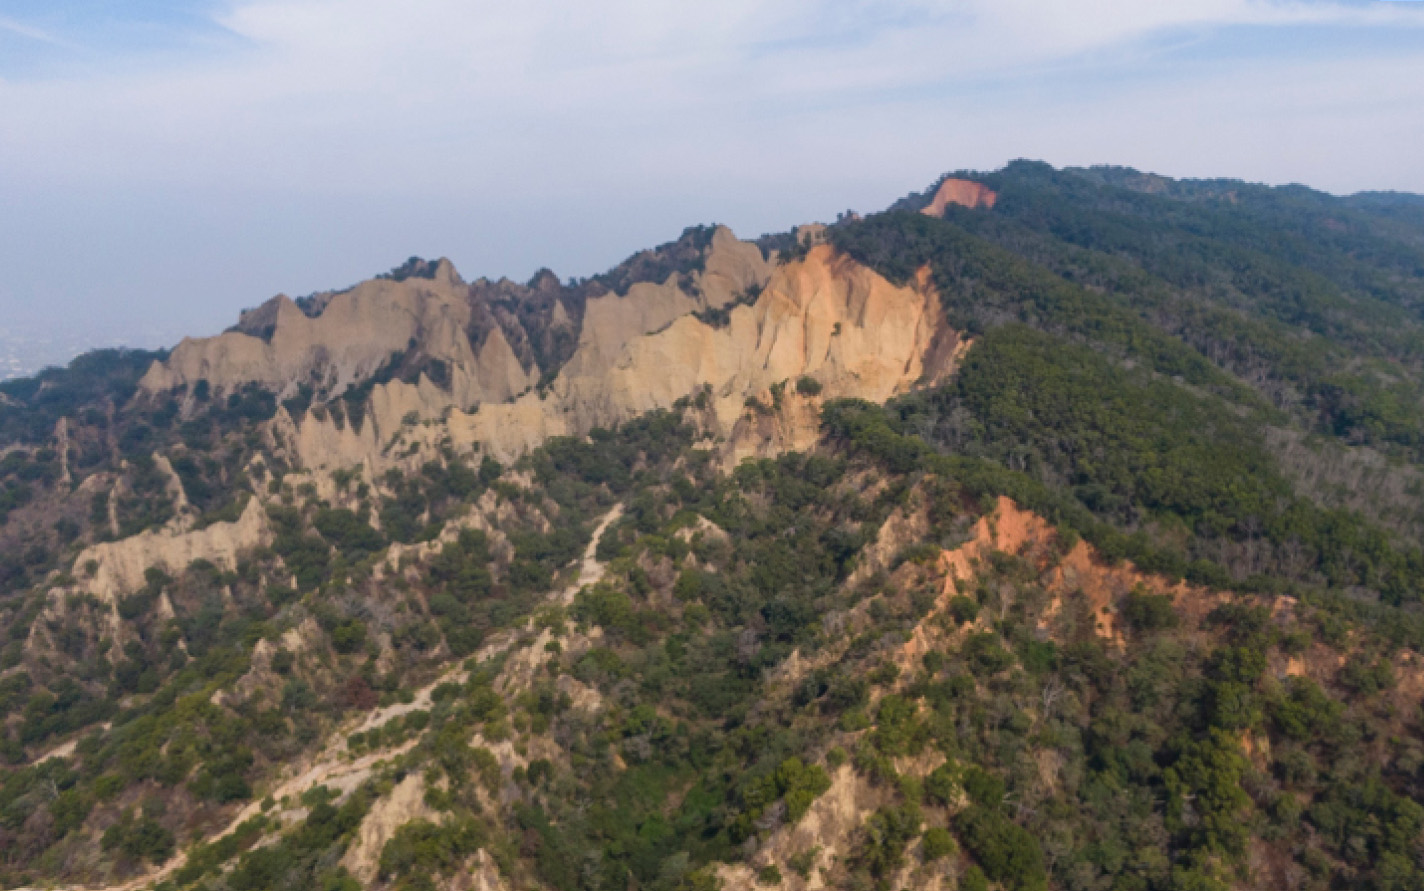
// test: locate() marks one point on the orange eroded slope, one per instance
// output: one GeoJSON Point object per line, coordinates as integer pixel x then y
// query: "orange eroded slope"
{"type": "Point", "coordinates": [1013, 530]}
{"type": "Point", "coordinates": [964, 192]}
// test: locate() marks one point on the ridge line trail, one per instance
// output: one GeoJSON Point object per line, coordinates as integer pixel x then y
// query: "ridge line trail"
{"type": "Point", "coordinates": [590, 573]}
{"type": "Point", "coordinates": [330, 767]}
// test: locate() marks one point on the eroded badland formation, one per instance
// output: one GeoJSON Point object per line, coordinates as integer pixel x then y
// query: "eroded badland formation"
{"type": "Point", "coordinates": [866, 556]}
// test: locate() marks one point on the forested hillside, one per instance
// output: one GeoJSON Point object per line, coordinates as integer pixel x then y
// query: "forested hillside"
{"type": "Point", "coordinates": [1120, 586]}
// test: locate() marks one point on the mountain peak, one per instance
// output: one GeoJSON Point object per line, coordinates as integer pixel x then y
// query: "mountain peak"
{"type": "Point", "coordinates": [441, 270]}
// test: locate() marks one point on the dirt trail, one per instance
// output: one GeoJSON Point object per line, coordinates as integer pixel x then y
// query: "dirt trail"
{"type": "Point", "coordinates": [331, 767]}
{"type": "Point", "coordinates": [590, 572]}
{"type": "Point", "coordinates": [66, 748]}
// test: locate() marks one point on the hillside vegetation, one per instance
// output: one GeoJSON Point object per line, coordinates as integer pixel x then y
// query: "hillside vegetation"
{"type": "Point", "coordinates": [1124, 590]}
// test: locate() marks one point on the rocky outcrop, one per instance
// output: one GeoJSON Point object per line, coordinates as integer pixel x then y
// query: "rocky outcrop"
{"type": "Point", "coordinates": [119, 566]}
{"type": "Point", "coordinates": [738, 332]}
{"type": "Point", "coordinates": [281, 348]}
{"type": "Point", "coordinates": [405, 802]}
{"type": "Point", "coordinates": [825, 834]}
{"type": "Point", "coordinates": [964, 192]}
{"type": "Point", "coordinates": [173, 485]}
{"type": "Point", "coordinates": [349, 337]}
{"type": "Point", "coordinates": [111, 570]}
{"type": "Point", "coordinates": [825, 318]}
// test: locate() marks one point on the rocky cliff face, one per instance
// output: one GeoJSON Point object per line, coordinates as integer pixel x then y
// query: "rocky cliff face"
{"type": "Point", "coordinates": [353, 335]}
{"type": "Point", "coordinates": [759, 343]}
{"type": "Point", "coordinates": [407, 367]}
{"type": "Point", "coordinates": [822, 319]}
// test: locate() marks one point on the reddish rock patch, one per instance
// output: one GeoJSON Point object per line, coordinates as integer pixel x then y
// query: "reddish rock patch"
{"type": "Point", "coordinates": [964, 192]}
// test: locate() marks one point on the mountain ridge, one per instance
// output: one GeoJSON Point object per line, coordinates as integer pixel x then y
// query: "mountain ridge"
{"type": "Point", "coordinates": [1049, 529]}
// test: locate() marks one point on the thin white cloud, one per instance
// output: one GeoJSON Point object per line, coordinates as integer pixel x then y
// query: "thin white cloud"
{"type": "Point", "coordinates": [29, 32]}
{"type": "Point", "coordinates": [1060, 29]}
{"type": "Point", "coordinates": [340, 91]}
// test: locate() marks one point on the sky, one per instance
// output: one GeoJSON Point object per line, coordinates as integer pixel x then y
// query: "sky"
{"type": "Point", "coordinates": [165, 163]}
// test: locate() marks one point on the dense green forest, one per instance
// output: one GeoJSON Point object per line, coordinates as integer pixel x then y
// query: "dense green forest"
{"type": "Point", "coordinates": [1214, 390]}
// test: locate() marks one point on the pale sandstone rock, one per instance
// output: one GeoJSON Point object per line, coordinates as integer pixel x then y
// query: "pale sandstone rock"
{"type": "Point", "coordinates": [121, 564]}
{"type": "Point", "coordinates": [119, 568]}
{"type": "Point", "coordinates": [405, 802]}
{"type": "Point", "coordinates": [825, 317]}
{"type": "Point", "coordinates": [732, 267]}
{"type": "Point", "coordinates": [356, 333]}
{"type": "Point", "coordinates": [832, 823]}
{"type": "Point", "coordinates": [174, 485]}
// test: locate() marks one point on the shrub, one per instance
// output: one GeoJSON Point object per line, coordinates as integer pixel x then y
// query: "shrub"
{"type": "Point", "coordinates": [1365, 676]}
{"type": "Point", "coordinates": [794, 782]}
{"type": "Point", "coordinates": [887, 832]}
{"type": "Point", "coordinates": [898, 730]}
{"type": "Point", "coordinates": [938, 843]}
{"type": "Point", "coordinates": [1007, 852]}
{"type": "Point", "coordinates": [282, 661]}
{"type": "Point", "coordinates": [942, 785]}
{"type": "Point", "coordinates": [348, 636]}
{"type": "Point", "coordinates": [963, 609]}
{"type": "Point", "coordinates": [974, 880]}
{"type": "Point", "coordinates": [982, 787]}
{"type": "Point", "coordinates": [802, 861]}
{"type": "Point", "coordinates": [1148, 612]}
{"type": "Point", "coordinates": [986, 654]}
{"type": "Point", "coordinates": [144, 839]}
{"type": "Point", "coordinates": [350, 532]}
{"type": "Point", "coordinates": [420, 849]}
{"type": "Point", "coordinates": [800, 784]}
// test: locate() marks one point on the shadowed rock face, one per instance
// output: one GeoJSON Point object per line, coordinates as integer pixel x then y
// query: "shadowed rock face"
{"type": "Point", "coordinates": [737, 327]}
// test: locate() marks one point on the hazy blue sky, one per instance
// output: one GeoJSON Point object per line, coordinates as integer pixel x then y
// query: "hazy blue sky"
{"type": "Point", "coordinates": [163, 164]}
